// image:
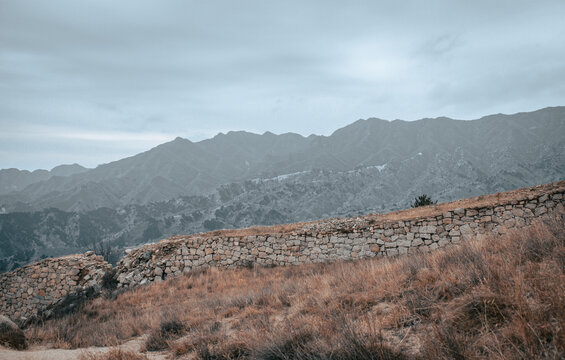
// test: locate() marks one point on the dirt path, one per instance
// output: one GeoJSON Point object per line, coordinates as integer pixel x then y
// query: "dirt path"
{"type": "Point", "coordinates": [44, 353]}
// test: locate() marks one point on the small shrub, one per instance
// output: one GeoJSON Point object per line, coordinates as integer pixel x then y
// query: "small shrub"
{"type": "Point", "coordinates": [248, 264]}
{"type": "Point", "coordinates": [291, 346]}
{"type": "Point", "coordinates": [158, 340]}
{"type": "Point", "coordinates": [423, 200]}
{"type": "Point", "coordinates": [173, 327]}
{"type": "Point", "coordinates": [11, 335]}
{"type": "Point", "coordinates": [109, 282]}
{"type": "Point", "coordinates": [70, 304]}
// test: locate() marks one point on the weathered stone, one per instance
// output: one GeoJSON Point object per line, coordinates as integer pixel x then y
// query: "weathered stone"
{"type": "Point", "coordinates": [471, 212]}
{"type": "Point", "coordinates": [417, 242]}
{"type": "Point", "coordinates": [404, 243]}
{"type": "Point", "coordinates": [442, 242]}
{"type": "Point", "coordinates": [540, 211]}
{"type": "Point", "coordinates": [427, 229]}
{"type": "Point", "coordinates": [146, 256]}
{"type": "Point", "coordinates": [454, 233]}
{"type": "Point", "coordinates": [459, 212]}
{"type": "Point", "coordinates": [392, 252]}
{"type": "Point", "coordinates": [466, 230]}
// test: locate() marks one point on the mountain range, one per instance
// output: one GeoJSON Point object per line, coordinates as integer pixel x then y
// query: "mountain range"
{"type": "Point", "coordinates": [15, 180]}
{"type": "Point", "coordinates": [242, 179]}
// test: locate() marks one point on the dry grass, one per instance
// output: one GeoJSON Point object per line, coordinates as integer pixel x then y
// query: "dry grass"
{"type": "Point", "coordinates": [114, 354]}
{"type": "Point", "coordinates": [494, 298]}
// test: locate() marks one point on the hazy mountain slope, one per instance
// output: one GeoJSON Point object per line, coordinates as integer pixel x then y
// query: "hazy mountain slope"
{"type": "Point", "coordinates": [521, 144]}
{"type": "Point", "coordinates": [16, 180]}
{"type": "Point", "coordinates": [241, 179]}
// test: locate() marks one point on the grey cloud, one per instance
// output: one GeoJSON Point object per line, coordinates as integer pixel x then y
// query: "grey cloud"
{"type": "Point", "coordinates": [188, 67]}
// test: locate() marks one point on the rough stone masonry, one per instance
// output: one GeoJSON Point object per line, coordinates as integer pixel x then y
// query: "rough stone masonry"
{"type": "Point", "coordinates": [26, 291]}
{"type": "Point", "coordinates": [394, 234]}
{"type": "Point", "coordinates": [30, 289]}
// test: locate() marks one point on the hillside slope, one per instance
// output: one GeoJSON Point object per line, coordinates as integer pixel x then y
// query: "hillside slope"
{"type": "Point", "coordinates": [494, 297]}
{"type": "Point", "coordinates": [494, 153]}
{"type": "Point", "coordinates": [16, 180]}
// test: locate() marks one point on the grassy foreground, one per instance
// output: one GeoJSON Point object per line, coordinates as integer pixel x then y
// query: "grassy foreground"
{"type": "Point", "coordinates": [493, 298]}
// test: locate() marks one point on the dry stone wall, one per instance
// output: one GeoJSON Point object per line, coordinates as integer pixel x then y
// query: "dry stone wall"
{"type": "Point", "coordinates": [339, 239]}
{"type": "Point", "coordinates": [30, 289]}
{"type": "Point", "coordinates": [26, 291]}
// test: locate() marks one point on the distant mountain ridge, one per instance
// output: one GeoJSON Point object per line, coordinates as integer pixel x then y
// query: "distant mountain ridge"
{"type": "Point", "coordinates": [240, 179]}
{"type": "Point", "coordinates": [528, 146]}
{"type": "Point", "coordinates": [16, 180]}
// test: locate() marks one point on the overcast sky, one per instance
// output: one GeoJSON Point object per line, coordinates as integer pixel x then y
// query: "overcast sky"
{"type": "Point", "coordinates": [95, 81]}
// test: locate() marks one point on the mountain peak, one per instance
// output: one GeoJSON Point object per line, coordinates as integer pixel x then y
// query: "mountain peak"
{"type": "Point", "coordinates": [66, 170]}
{"type": "Point", "coordinates": [239, 132]}
{"type": "Point", "coordinates": [180, 139]}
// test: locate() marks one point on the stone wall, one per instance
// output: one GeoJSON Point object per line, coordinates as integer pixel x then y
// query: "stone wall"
{"type": "Point", "coordinates": [394, 234]}
{"type": "Point", "coordinates": [30, 289]}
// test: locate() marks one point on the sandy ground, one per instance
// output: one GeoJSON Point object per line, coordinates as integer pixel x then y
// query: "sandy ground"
{"type": "Point", "coordinates": [45, 353]}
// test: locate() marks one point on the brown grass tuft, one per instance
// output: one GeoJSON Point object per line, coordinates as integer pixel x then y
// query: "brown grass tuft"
{"type": "Point", "coordinates": [114, 354]}
{"type": "Point", "coordinates": [160, 338]}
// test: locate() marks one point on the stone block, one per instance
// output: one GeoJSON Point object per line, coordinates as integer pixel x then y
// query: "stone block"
{"type": "Point", "coordinates": [404, 243]}
{"type": "Point", "coordinates": [417, 242]}
{"type": "Point", "coordinates": [540, 211]}
{"type": "Point", "coordinates": [442, 242]}
{"type": "Point", "coordinates": [427, 229]}
{"type": "Point", "coordinates": [471, 212]}
{"type": "Point", "coordinates": [392, 252]}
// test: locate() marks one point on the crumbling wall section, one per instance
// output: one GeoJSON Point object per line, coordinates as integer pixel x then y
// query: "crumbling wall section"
{"type": "Point", "coordinates": [30, 289]}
